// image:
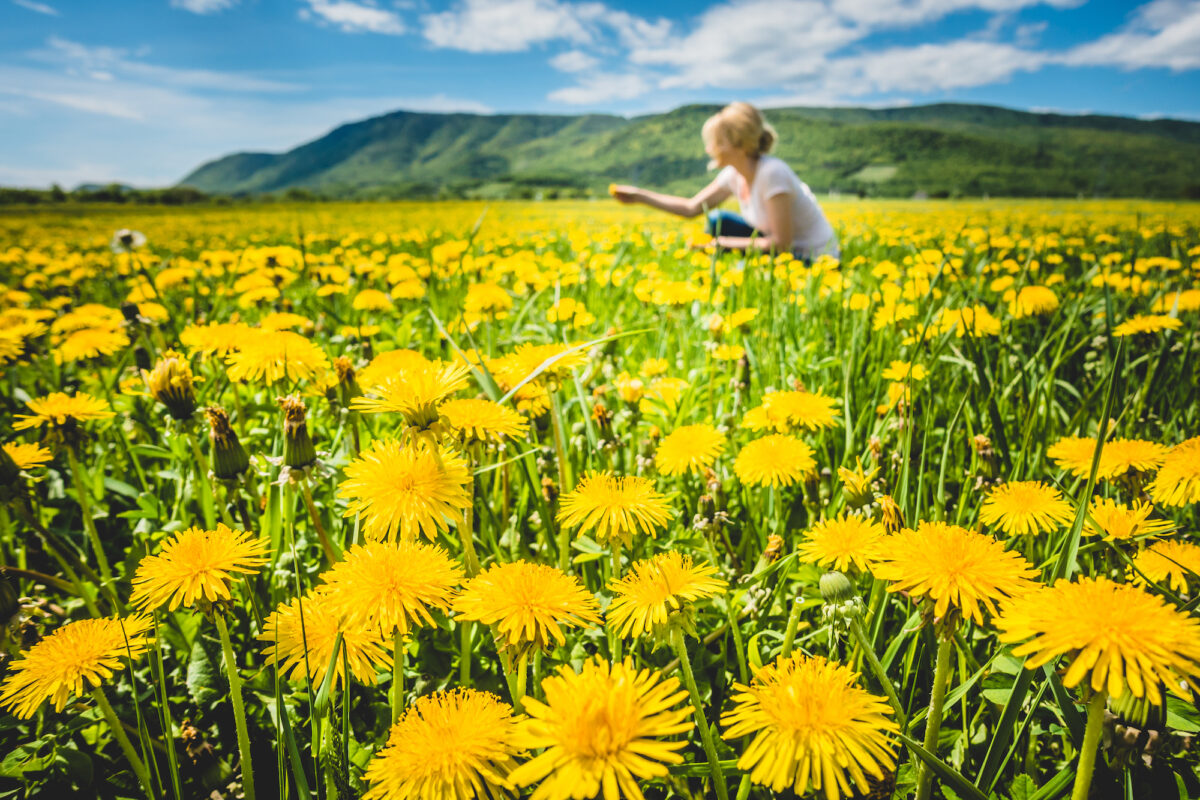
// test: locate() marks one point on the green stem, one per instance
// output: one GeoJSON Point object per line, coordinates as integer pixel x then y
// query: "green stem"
{"type": "Point", "coordinates": [522, 682]}
{"type": "Point", "coordinates": [856, 629]}
{"type": "Point", "coordinates": [466, 532]}
{"type": "Point", "coordinates": [206, 489]}
{"type": "Point", "coordinates": [239, 711]}
{"type": "Point", "coordinates": [332, 553]}
{"type": "Point", "coordinates": [1091, 741]}
{"type": "Point", "coordinates": [793, 623]}
{"type": "Point", "coordinates": [397, 675]}
{"type": "Point", "coordinates": [933, 722]}
{"type": "Point", "coordinates": [110, 716]}
{"type": "Point", "coordinates": [614, 637]}
{"type": "Point", "coordinates": [464, 654]}
{"type": "Point", "coordinates": [710, 749]}
{"type": "Point", "coordinates": [89, 524]}
{"type": "Point", "coordinates": [560, 450]}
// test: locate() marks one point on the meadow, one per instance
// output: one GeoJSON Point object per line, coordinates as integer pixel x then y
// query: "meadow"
{"type": "Point", "coordinates": [551, 500]}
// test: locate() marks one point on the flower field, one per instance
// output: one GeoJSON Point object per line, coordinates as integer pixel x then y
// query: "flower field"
{"type": "Point", "coordinates": [549, 500]}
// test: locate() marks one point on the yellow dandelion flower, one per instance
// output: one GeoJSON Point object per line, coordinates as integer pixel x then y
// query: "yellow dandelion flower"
{"type": "Point", "coordinates": [72, 660]}
{"type": "Point", "coordinates": [62, 411]}
{"type": "Point", "coordinates": [901, 371]}
{"type": "Point", "coordinates": [602, 729]}
{"type": "Point", "coordinates": [1117, 636]}
{"type": "Point", "coordinates": [728, 352]}
{"type": "Point", "coordinates": [974, 320]}
{"type": "Point", "coordinates": [196, 565]}
{"type": "Point", "coordinates": [1033, 301]}
{"type": "Point", "coordinates": [90, 343]}
{"type": "Point", "coordinates": [486, 299]}
{"type": "Point", "coordinates": [405, 491]}
{"type": "Point", "coordinates": [653, 367]}
{"type": "Point", "coordinates": [1187, 300]}
{"type": "Point", "coordinates": [528, 603]}
{"type": "Point", "coordinates": [615, 507]}
{"type": "Point", "coordinates": [301, 634]}
{"type": "Point", "coordinates": [1025, 507]}
{"type": "Point", "coordinates": [391, 364]}
{"type": "Point", "coordinates": [953, 567]}
{"type": "Point", "coordinates": [1146, 323]}
{"type": "Point", "coordinates": [856, 483]}
{"type": "Point", "coordinates": [663, 394]}
{"type": "Point", "coordinates": [1130, 455]}
{"type": "Point", "coordinates": [285, 320]}
{"type": "Point", "coordinates": [1178, 480]}
{"type": "Point", "coordinates": [28, 456]}
{"type": "Point", "coordinates": [372, 300]}
{"type": "Point", "coordinates": [775, 460]}
{"type": "Point", "coordinates": [842, 543]}
{"type": "Point", "coordinates": [1074, 454]}
{"type": "Point", "coordinates": [271, 356]}
{"type": "Point", "coordinates": [784, 412]}
{"type": "Point", "coordinates": [692, 448]}
{"type": "Point", "coordinates": [171, 383]}
{"type": "Point", "coordinates": [657, 589]}
{"type": "Point", "coordinates": [415, 394]}
{"type": "Point", "coordinates": [1168, 562]}
{"type": "Point", "coordinates": [814, 727]}
{"type": "Point", "coordinates": [391, 585]}
{"type": "Point", "coordinates": [454, 745]}
{"type": "Point", "coordinates": [511, 369]}
{"type": "Point", "coordinates": [215, 338]}
{"type": "Point", "coordinates": [483, 420]}
{"type": "Point", "coordinates": [1117, 521]}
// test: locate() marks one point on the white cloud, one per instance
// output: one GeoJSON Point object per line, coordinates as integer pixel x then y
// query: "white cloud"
{"type": "Point", "coordinates": [904, 13]}
{"type": "Point", "coordinates": [40, 8]}
{"type": "Point", "coordinates": [353, 17]}
{"type": "Point", "coordinates": [600, 87]}
{"type": "Point", "coordinates": [1163, 33]}
{"type": "Point", "coordinates": [752, 43]}
{"type": "Point", "coordinates": [508, 26]}
{"type": "Point", "coordinates": [106, 63]}
{"type": "Point", "coordinates": [203, 6]}
{"type": "Point", "coordinates": [574, 61]}
{"type": "Point", "coordinates": [931, 67]}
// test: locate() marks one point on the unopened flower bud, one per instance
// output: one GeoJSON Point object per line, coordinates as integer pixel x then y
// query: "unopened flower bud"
{"type": "Point", "coordinates": [172, 384]}
{"type": "Point", "coordinates": [298, 449]}
{"type": "Point", "coordinates": [836, 588]}
{"type": "Point", "coordinates": [229, 459]}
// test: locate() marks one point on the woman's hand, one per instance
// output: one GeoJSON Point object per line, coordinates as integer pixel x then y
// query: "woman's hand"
{"type": "Point", "coordinates": [624, 194]}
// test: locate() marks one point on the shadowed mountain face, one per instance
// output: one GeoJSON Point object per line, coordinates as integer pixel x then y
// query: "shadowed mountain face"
{"type": "Point", "coordinates": [942, 150]}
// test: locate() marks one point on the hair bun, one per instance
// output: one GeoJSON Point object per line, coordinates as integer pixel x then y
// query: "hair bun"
{"type": "Point", "coordinates": [766, 140]}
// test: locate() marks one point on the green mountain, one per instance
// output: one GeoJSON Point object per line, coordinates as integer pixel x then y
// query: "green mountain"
{"type": "Point", "coordinates": [940, 150]}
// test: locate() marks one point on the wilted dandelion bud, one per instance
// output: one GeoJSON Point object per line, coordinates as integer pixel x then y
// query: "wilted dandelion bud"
{"type": "Point", "coordinates": [875, 446]}
{"type": "Point", "coordinates": [893, 517]}
{"type": "Point", "coordinates": [856, 484]}
{"type": "Point", "coordinates": [743, 372]}
{"type": "Point", "coordinates": [298, 449]}
{"type": "Point", "coordinates": [602, 417]}
{"type": "Point", "coordinates": [549, 491]}
{"type": "Point", "coordinates": [347, 385]}
{"type": "Point", "coordinates": [171, 383]}
{"type": "Point", "coordinates": [229, 459]}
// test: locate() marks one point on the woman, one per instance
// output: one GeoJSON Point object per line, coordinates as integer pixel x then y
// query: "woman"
{"type": "Point", "coordinates": [779, 211]}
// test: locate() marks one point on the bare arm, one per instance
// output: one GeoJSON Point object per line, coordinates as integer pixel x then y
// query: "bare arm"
{"type": "Point", "coordinates": [779, 222]}
{"type": "Point", "coordinates": [708, 197]}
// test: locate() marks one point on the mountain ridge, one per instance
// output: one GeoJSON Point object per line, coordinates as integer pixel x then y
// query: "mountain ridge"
{"type": "Point", "coordinates": [944, 149]}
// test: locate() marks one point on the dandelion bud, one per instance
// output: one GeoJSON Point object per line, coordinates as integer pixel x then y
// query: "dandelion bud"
{"type": "Point", "coordinates": [836, 588]}
{"type": "Point", "coordinates": [893, 517]}
{"type": "Point", "coordinates": [172, 384]}
{"type": "Point", "coordinates": [856, 484]}
{"type": "Point", "coordinates": [549, 491]}
{"type": "Point", "coordinates": [774, 548]}
{"type": "Point", "coordinates": [229, 459]}
{"type": "Point", "coordinates": [298, 449]}
{"type": "Point", "coordinates": [347, 385]}
{"type": "Point", "coordinates": [743, 372]}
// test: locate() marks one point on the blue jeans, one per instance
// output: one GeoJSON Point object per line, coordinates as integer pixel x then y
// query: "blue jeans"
{"type": "Point", "coordinates": [727, 223]}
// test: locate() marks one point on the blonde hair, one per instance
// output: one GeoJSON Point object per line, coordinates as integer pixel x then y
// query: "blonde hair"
{"type": "Point", "coordinates": [743, 126]}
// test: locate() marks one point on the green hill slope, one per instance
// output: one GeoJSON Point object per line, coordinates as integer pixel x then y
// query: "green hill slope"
{"type": "Point", "coordinates": [941, 150]}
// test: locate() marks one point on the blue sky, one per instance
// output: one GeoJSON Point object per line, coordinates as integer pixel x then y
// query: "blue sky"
{"type": "Point", "coordinates": [143, 91]}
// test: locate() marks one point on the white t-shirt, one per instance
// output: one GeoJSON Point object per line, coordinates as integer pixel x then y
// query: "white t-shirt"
{"type": "Point", "coordinates": [812, 235]}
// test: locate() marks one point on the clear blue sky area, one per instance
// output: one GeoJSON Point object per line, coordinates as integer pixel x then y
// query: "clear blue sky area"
{"type": "Point", "coordinates": [144, 91]}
